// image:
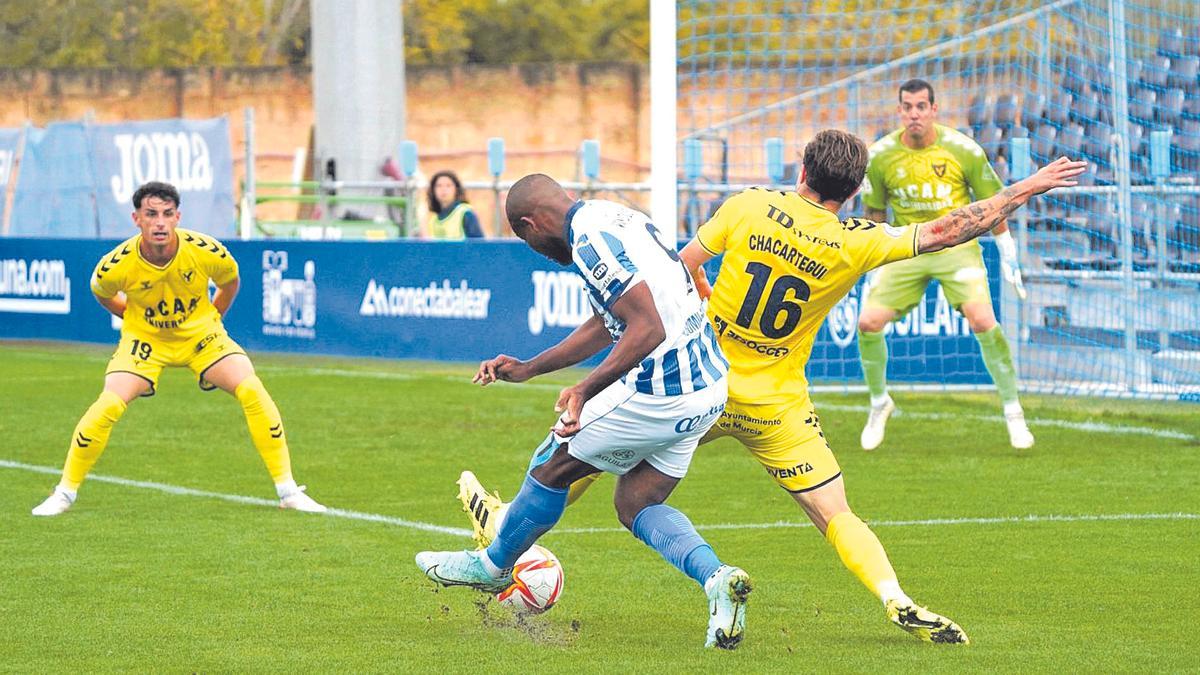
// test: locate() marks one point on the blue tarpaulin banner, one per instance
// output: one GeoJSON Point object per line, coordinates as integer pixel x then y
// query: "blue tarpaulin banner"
{"type": "Point", "coordinates": [54, 186]}
{"type": "Point", "coordinates": [76, 178]}
{"type": "Point", "coordinates": [452, 301]}
{"type": "Point", "coordinates": [10, 141]}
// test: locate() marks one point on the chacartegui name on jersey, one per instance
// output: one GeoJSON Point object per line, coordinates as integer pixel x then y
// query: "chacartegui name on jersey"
{"type": "Point", "coordinates": [789, 254]}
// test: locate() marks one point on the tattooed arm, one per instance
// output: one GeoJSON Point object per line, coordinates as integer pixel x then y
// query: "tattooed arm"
{"type": "Point", "coordinates": [966, 223]}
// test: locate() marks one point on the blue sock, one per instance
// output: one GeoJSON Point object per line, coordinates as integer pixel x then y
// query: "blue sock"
{"type": "Point", "coordinates": [669, 532]}
{"type": "Point", "coordinates": [531, 514]}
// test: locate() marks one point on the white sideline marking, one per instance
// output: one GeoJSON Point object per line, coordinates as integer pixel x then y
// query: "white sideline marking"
{"type": "Point", "coordinates": [429, 527]}
{"type": "Point", "coordinates": [239, 499]}
{"type": "Point", "coordinates": [1094, 427]}
{"type": "Point", "coordinates": [1031, 518]}
{"type": "Point", "coordinates": [1099, 427]}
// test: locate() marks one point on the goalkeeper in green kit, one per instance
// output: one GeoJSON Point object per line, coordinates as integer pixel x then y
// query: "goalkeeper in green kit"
{"type": "Point", "coordinates": [923, 171]}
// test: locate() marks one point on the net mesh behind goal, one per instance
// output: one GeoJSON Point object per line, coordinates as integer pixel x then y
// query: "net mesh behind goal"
{"type": "Point", "coordinates": [1112, 267]}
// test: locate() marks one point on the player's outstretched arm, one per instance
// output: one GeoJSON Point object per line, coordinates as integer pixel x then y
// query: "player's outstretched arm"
{"type": "Point", "coordinates": [966, 223]}
{"type": "Point", "coordinates": [643, 333]}
{"type": "Point", "coordinates": [224, 296]}
{"type": "Point", "coordinates": [583, 342]}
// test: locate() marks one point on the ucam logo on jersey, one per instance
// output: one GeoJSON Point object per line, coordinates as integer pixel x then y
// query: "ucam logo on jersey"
{"type": "Point", "coordinates": [432, 301]}
{"type": "Point", "coordinates": [289, 305]}
{"type": "Point", "coordinates": [180, 158]}
{"type": "Point", "coordinates": [34, 286]}
{"type": "Point", "coordinates": [560, 299]}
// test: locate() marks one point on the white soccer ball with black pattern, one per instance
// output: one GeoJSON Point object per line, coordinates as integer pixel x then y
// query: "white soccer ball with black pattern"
{"type": "Point", "coordinates": [537, 582]}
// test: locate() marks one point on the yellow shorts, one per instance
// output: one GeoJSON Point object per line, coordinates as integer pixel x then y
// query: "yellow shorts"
{"type": "Point", "coordinates": [785, 438]}
{"type": "Point", "coordinates": [146, 356]}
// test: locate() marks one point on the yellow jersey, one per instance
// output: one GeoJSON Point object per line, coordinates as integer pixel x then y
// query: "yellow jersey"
{"type": "Point", "coordinates": [788, 261]}
{"type": "Point", "coordinates": [172, 300]}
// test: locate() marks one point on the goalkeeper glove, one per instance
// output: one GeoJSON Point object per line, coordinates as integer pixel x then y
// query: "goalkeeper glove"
{"type": "Point", "coordinates": [1009, 267]}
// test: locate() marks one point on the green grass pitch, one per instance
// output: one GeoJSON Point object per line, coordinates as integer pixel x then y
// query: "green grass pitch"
{"type": "Point", "coordinates": [140, 578]}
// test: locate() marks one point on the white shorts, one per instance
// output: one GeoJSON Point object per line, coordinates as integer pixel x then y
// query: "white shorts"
{"type": "Point", "coordinates": [621, 427]}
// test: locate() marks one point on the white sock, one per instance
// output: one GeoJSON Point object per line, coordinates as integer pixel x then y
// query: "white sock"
{"type": "Point", "coordinates": [490, 566]}
{"type": "Point", "coordinates": [1013, 408]}
{"type": "Point", "coordinates": [879, 401]}
{"type": "Point", "coordinates": [286, 488]}
{"type": "Point", "coordinates": [890, 590]}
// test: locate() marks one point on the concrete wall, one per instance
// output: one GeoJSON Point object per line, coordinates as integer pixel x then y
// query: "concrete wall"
{"type": "Point", "coordinates": [542, 111]}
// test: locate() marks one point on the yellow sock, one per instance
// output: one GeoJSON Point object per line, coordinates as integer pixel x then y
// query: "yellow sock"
{"type": "Point", "coordinates": [266, 428]}
{"type": "Point", "coordinates": [90, 438]}
{"type": "Point", "coordinates": [580, 486]}
{"type": "Point", "coordinates": [861, 552]}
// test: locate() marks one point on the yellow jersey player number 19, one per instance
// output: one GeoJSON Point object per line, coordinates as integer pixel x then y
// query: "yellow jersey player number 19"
{"type": "Point", "coordinates": [157, 282]}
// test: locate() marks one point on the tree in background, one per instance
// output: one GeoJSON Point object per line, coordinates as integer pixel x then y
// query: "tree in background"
{"type": "Point", "coordinates": [190, 33]}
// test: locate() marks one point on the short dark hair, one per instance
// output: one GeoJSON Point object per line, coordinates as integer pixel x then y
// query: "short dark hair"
{"type": "Point", "coordinates": [913, 86]}
{"type": "Point", "coordinates": [164, 191]}
{"type": "Point", "coordinates": [459, 194]}
{"type": "Point", "coordinates": [835, 163]}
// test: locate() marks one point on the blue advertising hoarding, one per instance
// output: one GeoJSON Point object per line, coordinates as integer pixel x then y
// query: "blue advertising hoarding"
{"type": "Point", "coordinates": [453, 301]}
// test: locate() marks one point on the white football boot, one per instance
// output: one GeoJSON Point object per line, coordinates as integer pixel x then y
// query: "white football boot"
{"type": "Point", "coordinates": [301, 502]}
{"type": "Point", "coordinates": [59, 501]}
{"type": "Point", "coordinates": [462, 568]}
{"type": "Point", "coordinates": [1019, 434]}
{"type": "Point", "coordinates": [727, 589]}
{"type": "Point", "coordinates": [872, 434]}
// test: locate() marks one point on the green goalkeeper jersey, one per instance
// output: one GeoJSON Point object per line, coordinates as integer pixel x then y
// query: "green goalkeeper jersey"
{"type": "Point", "coordinates": [925, 184]}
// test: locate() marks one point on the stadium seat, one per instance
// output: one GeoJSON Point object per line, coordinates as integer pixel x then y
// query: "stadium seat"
{"type": "Point", "coordinates": [979, 113]}
{"type": "Point", "coordinates": [1141, 105]}
{"type": "Point", "coordinates": [1133, 71]}
{"type": "Point", "coordinates": [1086, 108]}
{"type": "Point", "coordinates": [1006, 111]}
{"type": "Point", "coordinates": [1077, 73]}
{"type": "Point", "coordinates": [1142, 219]}
{"type": "Point", "coordinates": [1184, 72]}
{"type": "Point", "coordinates": [1058, 110]}
{"type": "Point", "coordinates": [1137, 138]}
{"type": "Point", "coordinates": [1170, 107]}
{"type": "Point", "coordinates": [1032, 109]}
{"type": "Point", "coordinates": [1191, 44]}
{"type": "Point", "coordinates": [1156, 70]}
{"type": "Point", "coordinates": [1070, 141]}
{"type": "Point", "coordinates": [1191, 105]}
{"type": "Point", "coordinates": [991, 139]}
{"type": "Point", "coordinates": [1042, 143]}
{"type": "Point", "coordinates": [1170, 42]}
{"type": "Point", "coordinates": [1185, 146]}
{"type": "Point", "coordinates": [1000, 165]}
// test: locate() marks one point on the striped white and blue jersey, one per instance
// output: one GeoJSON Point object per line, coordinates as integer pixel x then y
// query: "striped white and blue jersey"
{"type": "Point", "coordinates": [614, 248]}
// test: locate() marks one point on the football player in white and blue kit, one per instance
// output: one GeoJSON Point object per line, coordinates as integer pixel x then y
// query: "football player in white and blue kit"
{"type": "Point", "coordinates": [640, 414]}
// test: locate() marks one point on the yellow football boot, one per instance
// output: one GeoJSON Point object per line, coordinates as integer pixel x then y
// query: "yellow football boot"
{"type": "Point", "coordinates": [924, 624]}
{"type": "Point", "coordinates": [485, 510]}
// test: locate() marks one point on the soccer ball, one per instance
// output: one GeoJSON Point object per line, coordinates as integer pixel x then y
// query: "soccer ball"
{"type": "Point", "coordinates": [537, 582]}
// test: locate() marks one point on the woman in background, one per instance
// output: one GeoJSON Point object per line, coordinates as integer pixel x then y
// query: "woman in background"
{"type": "Point", "coordinates": [450, 216]}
